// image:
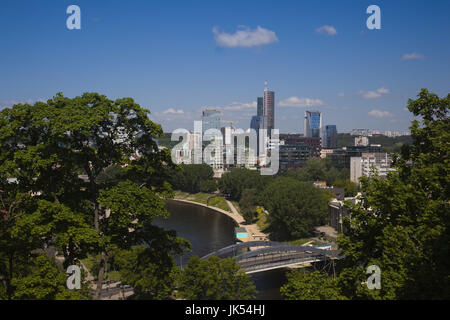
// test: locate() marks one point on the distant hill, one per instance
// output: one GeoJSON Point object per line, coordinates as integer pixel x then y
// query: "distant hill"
{"type": "Point", "coordinates": [388, 144]}
{"type": "Point", "coordinates": [166, 141]}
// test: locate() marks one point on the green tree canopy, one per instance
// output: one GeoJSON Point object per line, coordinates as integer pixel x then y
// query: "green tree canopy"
{"type": "Point", "coordinates": [402, 223]}
{"type": "Point", "coordinates": [193, 178]}
{"type": "Point", "coordinates": [247, 205]}
{"type": "Point", "coordinates": [235, 181]}
{"type": "Point", "coordinates": [310, 285]}
{"type": "Point", "coordinates": [151, 270]}
{"type": "Point", "coordinates": [295, 207]}
{"type": "Point", "coordinates": [57, 152]}
{"type": "Point", "coordinates": [215, 279]}
{"type": "Point", "coordinates": [350, 188]}
{"type": "Point", "coordinates": [317, 169]}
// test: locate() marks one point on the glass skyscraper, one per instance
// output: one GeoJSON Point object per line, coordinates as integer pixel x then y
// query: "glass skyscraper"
{"type": "Point", "coordinates": [330, 137]}
{"type": "Point", "coordinates": [210, 120]}
{"type": "Point", "coordinates": [269, 109]}
{"type": "Point", "coordinates": [313, 124]}
{"type": "Point", "coordinates": [260, 110]}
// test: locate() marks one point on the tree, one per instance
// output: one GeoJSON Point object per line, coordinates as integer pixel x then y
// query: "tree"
{"type": "Point", "coordinates": [151, 270]}
{"type": "Point", "coordinates": [234, 182]}
{"type": "Point", "coordinates": [208, 186]}
{"type": "Point", "coordinates": [350, 188]}
{"type": "Point", "coordinates": [44, 281]}
{"type": "Point", "coordinates": [193, 178]}
{"type": "Point", "coordinates": [317, 169]}
{"type": "Point", "coordinates": [401, 223]}
{"type": "Point", "coordinates": [215, 279]}
{"type": "Point", "coordinates": [247, 205]}
{"type": "Point", "coordinates": [310, 285]}
{"type": "Point", "coordinates": [295, 207]}
{"type": "Point", "coordinates": [57, 151]}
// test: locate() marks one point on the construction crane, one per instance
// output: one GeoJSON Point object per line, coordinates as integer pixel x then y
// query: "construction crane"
{"type": "Point", "coordinates": [227, 121]}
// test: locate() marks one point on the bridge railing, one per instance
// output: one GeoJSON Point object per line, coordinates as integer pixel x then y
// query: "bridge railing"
{"type": "Point", "coordinates": [232, 249]}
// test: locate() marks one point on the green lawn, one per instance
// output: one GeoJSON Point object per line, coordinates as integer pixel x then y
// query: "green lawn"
{"type": "Point", "coordinates": [236, 205]}
{"type": "Point", "coordinates": [302, 241]}
{"type": "Point", "coordinates": [261, 221]}
{"type": "Point", "coordinates": [202, 197]}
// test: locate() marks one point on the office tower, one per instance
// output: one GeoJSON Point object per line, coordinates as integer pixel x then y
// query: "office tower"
{"type": "Point", "coordinates": [294, 139]}
{"type": "Point", "coordinates": [210, 120]}
{"type": "Point", "coordinates": [257, 123]}
{"type": "Point", "coordinates": [269, 108]}
{"type": "Point", "coordinates": [260, 104]}
{"type": "Point", "coordinates": [330, 137]}
{"type": "Point", "coordinates": [313, 124]}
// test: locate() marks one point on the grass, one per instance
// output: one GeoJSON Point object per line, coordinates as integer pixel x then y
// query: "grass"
{"type": "Point", "coordinates": [302, 241]}
{"type": "Point", "coordinates": [90, 261]}
{"type": "Point", "coordinates": [201, 197]}
{"type": "Point", "coordinates": [236, 205]}
{"type": "Point", "coordinates": [114, 276]}
{"type": "Point", "coordinates": [262, 221]}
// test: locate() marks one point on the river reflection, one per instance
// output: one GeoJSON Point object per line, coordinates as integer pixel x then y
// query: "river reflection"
{"type": "Point", "coordinates": [208, 230]}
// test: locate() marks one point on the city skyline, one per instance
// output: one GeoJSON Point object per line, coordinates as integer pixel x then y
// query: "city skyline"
{"type": "Point", "coordinates": [317, 56]}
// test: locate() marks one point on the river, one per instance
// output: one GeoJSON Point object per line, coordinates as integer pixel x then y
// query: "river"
{"type": "Point", "coordinates": [209, 230]}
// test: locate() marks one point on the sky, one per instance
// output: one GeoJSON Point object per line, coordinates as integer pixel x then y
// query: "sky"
{"type": "Point", "coordinates": [177, 58]}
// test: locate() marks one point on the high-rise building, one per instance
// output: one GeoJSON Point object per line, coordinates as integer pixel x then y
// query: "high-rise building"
{"type": "Point", "coordinates": [210, 120]}
{"type": "Point", "coordinates": [365, 164]}
{"type": "Point", "coordinates": [260, 106]}
{"type": "Point", "coordinates": [330, 137]}
{"type": "Point", "coordinates": [294, 139]}
{"type": "Point", "coordinates": [313, 124]}
{"type": "Point", "coordinates": [269, 108]}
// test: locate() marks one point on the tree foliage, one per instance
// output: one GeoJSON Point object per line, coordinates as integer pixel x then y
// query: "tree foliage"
{"type": "Point", "coordinates": [350, 188]}
{"type": "Point", "coordinates": [402, 222]}
{"type": "Point", "coordinates": [215, 279]}
{"type": "Point", "coordinates": [310, 285]}
{"type": "Point", "coordinates": [295, 208]}
{"type": "Point", "coordinates": [317, 169]}
{"type": "Point", "coordinates": [68, 192]}
{"type": "Point", "coordinates": [151, 270]}
{"type": "Point", "coordinates": [193, 178]}
{"type": "Point", "coordinates": [234, 182]}
{"type": "Point", "coordinates": [247, 205]}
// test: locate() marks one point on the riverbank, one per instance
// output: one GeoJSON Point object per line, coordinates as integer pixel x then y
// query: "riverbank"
{"type": "Point", "coordinates": [253, 230]}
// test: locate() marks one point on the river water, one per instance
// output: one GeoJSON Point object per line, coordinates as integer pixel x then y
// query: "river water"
{"type": "Point", "coordinates": [209, 230]}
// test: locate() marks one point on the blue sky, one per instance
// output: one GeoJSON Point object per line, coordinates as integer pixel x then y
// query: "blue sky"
{"type": "Point", "coordinates": [177, 57]}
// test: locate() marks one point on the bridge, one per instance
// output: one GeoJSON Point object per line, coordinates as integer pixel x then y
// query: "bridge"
{"type": "Point", "coordinates": [269, 255]}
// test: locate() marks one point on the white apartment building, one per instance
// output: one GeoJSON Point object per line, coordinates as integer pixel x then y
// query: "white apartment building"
{"type": "Point", "coordinates": [361, 141]}
{"type": "Point", "coordinates": [364, 166]}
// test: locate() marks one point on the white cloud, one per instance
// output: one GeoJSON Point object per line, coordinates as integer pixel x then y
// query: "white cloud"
{"type": "Point", "coordinates": [373, 94]}
{"type": "Point", "coordinates": [173, 111]}
{"type": "Point", "coordinates": [327, 30]}
{"type": "Point", "coordinates": [10, 103]}
{"type": "Point", "coordinates": [241, 106]}
{"type": "Point", "coordinates": [380, 113]}
{"type": "Point", "coordinates": [300, 102]}
{"type": "Point", "coordinates": [413, 56]}
{"type": "Point", "coordinates": [244, 38]}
